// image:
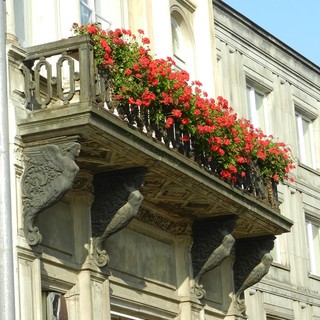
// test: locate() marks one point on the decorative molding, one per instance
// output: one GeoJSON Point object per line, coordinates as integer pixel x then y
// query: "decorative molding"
{"type": "Point", "coordinates": [117, 201]}
{"type": "Point", "coordinates": [252, 263]}
{"type": "Point", "coordinates": [83, 182]}
{"type": "Point", "coordinates": [212, 243]}
{"type": "Point", "coordinates": [174, 227]}
{"type": "Point", "coordinates": [48, 174]}
{"type": "Point", "coordinates": [190, 5]}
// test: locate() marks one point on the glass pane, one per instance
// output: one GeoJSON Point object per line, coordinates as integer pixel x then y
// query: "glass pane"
{"type": "Point", "coordinates": [275, 252]}
{"type": "Point", "coordinates": [85, 13]}
{"type": "Point", "coordinates": [259, 100]}
{"type": "Point", "coordinates": [316, 244]}
{"type": "Point", "coordinates": [298, 135]}
{"type": "Point", "coordinates": [177, 40]}
{"type": "Point", "coordinates": [250, 107]}
{"type": "Point", "coordinates": [256, 102]}
{"type": "Point", "coordinates": [307, 141]}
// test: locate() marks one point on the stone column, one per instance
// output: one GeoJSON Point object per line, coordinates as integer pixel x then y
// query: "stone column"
{"type": "Point", "coordinates": [85, 298]}
{"type": "Point", "coordinates": [7, 308]}
{"type": "Point", "coordinates": [183, 262]}
{"type": "Point", "coordinates": [255, 303]}
{"type": "Point", "coordinates": [11, 32]}
{"type": "Point", "coordinates": [82, 197]}
{"type": "Point", "coordinates": [93, 283]}
{"type": "Point", "coordinates": [29, 269]}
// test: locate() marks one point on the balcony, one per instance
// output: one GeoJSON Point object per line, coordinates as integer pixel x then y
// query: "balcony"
{"type": "Point", "coordinates": [66, 97]}
{"type": "Point", "coordinates": [67, 100]}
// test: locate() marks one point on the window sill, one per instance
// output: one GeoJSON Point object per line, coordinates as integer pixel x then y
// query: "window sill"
{"type": "Point", "coordinates": [314, 276]}
{"type": "Point", "coordinates": [306, 167]}
{"type": "Point", "coordinates": [278, 265]}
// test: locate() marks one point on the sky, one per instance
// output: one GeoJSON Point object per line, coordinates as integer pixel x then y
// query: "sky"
{"type": "Point", "coordinates": [294, 22]}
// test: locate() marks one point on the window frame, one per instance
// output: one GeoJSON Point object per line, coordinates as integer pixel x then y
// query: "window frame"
{"type": "Point", "coordinates": [95, 16]}
{"type": "Point", "coordinates": [301, 116]}
{"type": "Point", "coordinates": [277, 251]}
{"type": "Point", "coordinates": [273, 317]}
{"type": "Point", "coordinates": [179, 22]}
{"type": "Point", "coordinates": [122, 316]}
{"type": "Point", "coordinates": [52, 302]}
{"type": "Point", "coordinates": [252, 89]}
{"type": "Point", "coordinates": [314, 261]}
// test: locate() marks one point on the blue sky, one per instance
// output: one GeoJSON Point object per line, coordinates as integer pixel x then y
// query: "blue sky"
{"type": "Point", "coordinates": [296, 23]}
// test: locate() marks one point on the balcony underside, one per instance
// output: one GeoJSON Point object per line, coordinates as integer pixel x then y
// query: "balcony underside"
{"type": "Point", "coordinates": [175, 187]}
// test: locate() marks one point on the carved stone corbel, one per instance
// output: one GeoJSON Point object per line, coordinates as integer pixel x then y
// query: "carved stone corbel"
{"type": "Point", "coordinates": [212, 243]}
{"type": "Point", "coordinates": [252, 263]}
{"type": "Point", "coordinates": [117, 201]}
{"type": "Point", "coordinates": [83, 183]}
{"type": "Point", "coordinates": [48, 174]}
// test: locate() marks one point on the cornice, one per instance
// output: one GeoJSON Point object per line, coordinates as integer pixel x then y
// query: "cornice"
{"type": "Point", "coordinates": [265, 34]}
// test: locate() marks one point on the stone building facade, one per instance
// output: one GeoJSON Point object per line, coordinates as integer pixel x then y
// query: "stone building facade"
{"type": "Point", "coordinates": [108, 223]}
{"type": "Point", "coordinates": [260, 74]}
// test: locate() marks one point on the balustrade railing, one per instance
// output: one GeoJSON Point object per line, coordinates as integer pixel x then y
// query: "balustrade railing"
{"type": "Point", "coordinates": [64, 73]}
{"type": "Point", "coordinates": [60, 73]}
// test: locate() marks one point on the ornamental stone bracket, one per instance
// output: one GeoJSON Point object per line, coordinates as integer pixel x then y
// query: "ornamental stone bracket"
{"type": "Point", "coordinates": [117, 201]}
{"type": "Point", "coordinates": [212, 244]}
{"type": "Point", "coordinates": [48, 174]}
{"type": "Point", "coordinates": [252, 263]}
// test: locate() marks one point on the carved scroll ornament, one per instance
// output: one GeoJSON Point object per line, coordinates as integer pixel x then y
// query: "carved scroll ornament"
{"type": "Point", "coordinates": [117, 201]}
{"type": "Point", "coordinates": [212, 243]}
{"type": "Point", "coordinates": [48, 174]}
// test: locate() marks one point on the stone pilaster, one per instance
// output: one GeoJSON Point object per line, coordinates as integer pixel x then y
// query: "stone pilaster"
{"type": "Point", "coordinates": [182, 248]}
{"type": "Point", "coordinates": [81, 196]}
{"type": "Point", "coordinates": [11, 32]}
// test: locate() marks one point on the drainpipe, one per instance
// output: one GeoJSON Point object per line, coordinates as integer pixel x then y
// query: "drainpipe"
{"type": "Point", "coordinates": [7, 288]}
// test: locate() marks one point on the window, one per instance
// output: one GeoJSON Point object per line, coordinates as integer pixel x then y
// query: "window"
{"type": "Point", "coordinates": [85, 12]}
{"type": "Point", "coordinates": [91, 11]}
{"type": "Point", "coordinates": [278, 312]}
{"type": "Point", "coordinates": [258, 108]}
{"type": "Point", "coordinates": [275, 252]}
{"type": "Point", "coordinates": [305, 140]}
{"type": "Point", "coordinates": [54, 306]}
{"type": "Point", "coordinates": [313, 234]}
{"type": "Point", "coordinates": [182, 43]}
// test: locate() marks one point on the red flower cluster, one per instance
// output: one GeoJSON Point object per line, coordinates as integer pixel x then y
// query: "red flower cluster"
{"type": "Point", "coordinates": [141, 81]}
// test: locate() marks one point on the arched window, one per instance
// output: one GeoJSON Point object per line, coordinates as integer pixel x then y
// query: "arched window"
{"type": "Point", "coordinates": [182, 43]}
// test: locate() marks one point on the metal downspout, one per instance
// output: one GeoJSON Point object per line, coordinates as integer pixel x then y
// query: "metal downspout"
{"type": "Point", "coordinates": [7, 305]}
